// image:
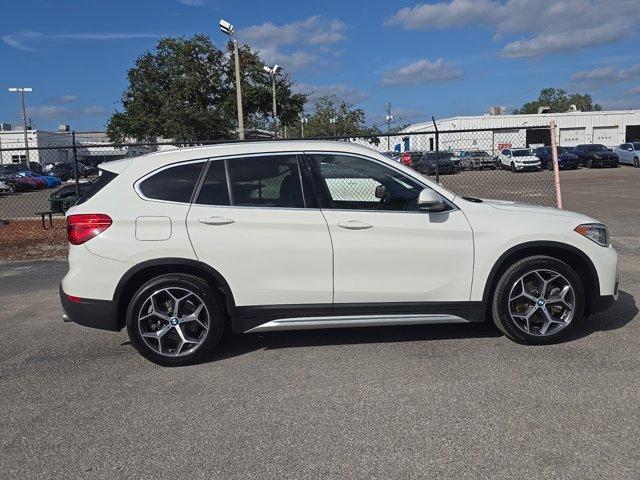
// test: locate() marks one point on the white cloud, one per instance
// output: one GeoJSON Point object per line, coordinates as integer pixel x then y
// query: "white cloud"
{"type": "Point", "coordinates": [295, 45]}
{"type": "Point", "coordinates": [23, 40]}
{"type": "Point", "coordinates": [66, 99]}
{"type": "Point", "coordinates": [48, 111]}
{"type": "Point", "coordinates": [93, 110]}
{"type": "Point", "coordinates": [608, 75]}
{"type": "Point", "coordinates": [192, 3]}
{"type": "Point", "coordinates": [344, 92]}
{"type": "Point", "coordinates": [315, 30]}
{"type": "Point", "coordinates": [546, 26]}
{"type": "Point", "coordinates": [421, 72]}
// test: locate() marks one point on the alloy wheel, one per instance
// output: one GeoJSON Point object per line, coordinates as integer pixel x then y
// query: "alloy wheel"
{"type": "Point", "coordinates": [173, 321]}
{"type": "Point", "coordinates": [542, 302]}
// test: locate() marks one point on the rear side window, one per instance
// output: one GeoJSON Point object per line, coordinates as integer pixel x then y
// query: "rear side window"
{"type": "Point", "coordinates": [174, 184]}
{"type": "Point", "coordinates": [266, 181]}
{"type": "Point", "coordinates": [98, 184]}
{"type": "Point", "coordinates": [214, 190]}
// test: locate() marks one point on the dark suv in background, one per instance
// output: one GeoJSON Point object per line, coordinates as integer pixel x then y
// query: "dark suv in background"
{"type": "Point", "coordinates": [595, 155]}
{"type": "Point", "coordinates": [566, 159]}
{"type": "Point", "coordinates": [443, 160]}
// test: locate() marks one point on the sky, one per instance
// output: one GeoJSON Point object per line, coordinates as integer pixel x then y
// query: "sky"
{"type": "Point", "coordinates": [439, 58]}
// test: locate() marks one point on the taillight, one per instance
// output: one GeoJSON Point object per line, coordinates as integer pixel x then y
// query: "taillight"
{"type": "Point", "coordinates": [85, 226]}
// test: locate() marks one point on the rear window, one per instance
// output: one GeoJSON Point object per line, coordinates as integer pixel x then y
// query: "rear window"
{"type": "Point", "coordinates": [174, 184]}
{"type": "Point", "coordinates": [95, 186]}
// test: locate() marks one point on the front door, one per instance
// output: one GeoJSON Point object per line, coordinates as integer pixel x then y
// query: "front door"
{"type": "Point", "coordinates": [387, 253]}
{"type": "Point", "coordinates": [250, 222]}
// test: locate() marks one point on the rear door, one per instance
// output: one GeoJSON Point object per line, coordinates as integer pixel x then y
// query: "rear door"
{"type": "Point", "coordinates": [253, 223]}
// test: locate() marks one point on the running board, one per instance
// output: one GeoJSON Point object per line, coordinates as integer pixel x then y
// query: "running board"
{"type": "Point", "coordinates": [308, 323]}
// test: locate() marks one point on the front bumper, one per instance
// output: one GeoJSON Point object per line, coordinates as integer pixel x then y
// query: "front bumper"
{"type": "Point", "coordinates": [533, 166]}
{"type": "Point", "coordinates": [102, 314]}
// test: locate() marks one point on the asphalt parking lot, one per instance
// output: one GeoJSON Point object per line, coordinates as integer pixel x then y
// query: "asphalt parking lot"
{"type": "Point", "coordinates": [449, 401]}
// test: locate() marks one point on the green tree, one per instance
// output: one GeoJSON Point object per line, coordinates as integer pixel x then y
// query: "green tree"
{"type": "Point", "coordinates": [559, 101]}
{"type": "Point", "coordinates": [185, 90]}
{"type": "Point", "coordinates": [347, 120]}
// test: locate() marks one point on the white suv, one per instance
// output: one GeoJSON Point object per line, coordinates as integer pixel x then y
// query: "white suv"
{"type": "Point", "coordinates": [518, 159]}
{"type": "Point", "coordinates": [305, 234]}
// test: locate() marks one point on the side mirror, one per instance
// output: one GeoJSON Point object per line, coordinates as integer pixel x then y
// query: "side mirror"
{"type": "Point", "coordinates": [380, 191]}
{"type": "Point", "coordinates": [430, 201]}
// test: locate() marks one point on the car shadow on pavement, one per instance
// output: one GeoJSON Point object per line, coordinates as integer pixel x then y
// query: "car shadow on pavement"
{"type": "Point", "coordinates": [235, 345]}
{"type": "Point", "coordinates": [623, 311]}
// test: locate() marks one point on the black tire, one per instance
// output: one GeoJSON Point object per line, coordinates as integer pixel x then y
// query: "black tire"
{"type": "Point", "coordinates": [615, 165]}
{"type": "Point", "coordinates": [500, 299]}
{"type": "Point", "coordinates": [589, 163]}
{"type": "Point", "coordinates": [199, 287]}
{"type": "Point", "coordinates": [636, 162]}
{"type": "Point", "coordinates": [513, 168]}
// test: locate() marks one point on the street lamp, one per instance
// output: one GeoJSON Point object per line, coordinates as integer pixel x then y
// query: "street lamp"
{"type": "Point", "coordinates": [333, 121]}
{"type": "Point", "coordinates": [21, 90]}
{"type": "Point", "coordinates": [304, 120]}
{"type": "Point", "coordinates": [229, 29]}
{"type": "Point", "coordinates": [273, 71]}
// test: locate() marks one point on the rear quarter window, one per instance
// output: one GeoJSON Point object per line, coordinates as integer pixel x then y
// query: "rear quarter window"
{"type": "Point", "coordinates": [173, 184]}
{"type": "Point", "coordinates": [94, 187]}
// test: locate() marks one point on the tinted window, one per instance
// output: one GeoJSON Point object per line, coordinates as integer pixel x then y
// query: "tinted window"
{"type": "Point", "coordinates": [173, 184]}
{"type": "Point", "coordinates": [636, 146]}
{"type": "Point", "coordinates": [353, 183]}
{"type": "Point", "coordinates": [521, 153]}
{"type": "Point", "coordinates": [266, 181]}
{"type": "Point", "coordinates": [97, 185]}
{"type": "Point", "coordinates": [214, 190]}
{"type": "Point", "coordinates": [597, 148]}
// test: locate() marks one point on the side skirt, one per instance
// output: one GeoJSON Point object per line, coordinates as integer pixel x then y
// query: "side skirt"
{"type": "Point", "coordinates": [308, 323]}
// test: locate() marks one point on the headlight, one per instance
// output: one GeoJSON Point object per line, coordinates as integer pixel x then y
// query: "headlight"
{"type": "Point", "coordinates": [595, 232]}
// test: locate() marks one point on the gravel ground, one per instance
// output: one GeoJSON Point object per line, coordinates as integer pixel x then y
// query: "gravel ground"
{"type": "Point", "coordinates": [450, 401]}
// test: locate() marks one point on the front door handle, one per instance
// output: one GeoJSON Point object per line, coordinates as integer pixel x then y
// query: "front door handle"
{"type": "Point", "coordinates": [216, 220]}
{"type": "Point", "coordinates": [355, 225]}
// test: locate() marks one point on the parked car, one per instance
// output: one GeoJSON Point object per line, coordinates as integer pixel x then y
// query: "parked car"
{"type": "Point", "coordinates": [16, 183]}
{"type": "Point", "coordinates": [476, 160]}
{"type": "Point", "coordinates": [66, 171]}
{"type": "Point", "coordinates": [429, 160]}
{"type": "Point", "coordinates": [518, 159]}
{"type": "Point", "coordinates": [566, 159]}
{"type": "Point", "coordinates": [13, 168]}
{"type": "Point", "coordinates": [393, 155]}
{"type": "Point", "coordinates": [629, 153]}
{"type": "Point", "coordinates": [65, 197]}
{"type": "Point", "coordinates": [595, 155]}
{"type": "Point", "coordinates": [411, 159]}
{"type": "Point", "coordinates": [48, 180]}
{"type": "Point", "coordinates": [160, 247]}
{"type": "Point", "coordinates": [5, 188]}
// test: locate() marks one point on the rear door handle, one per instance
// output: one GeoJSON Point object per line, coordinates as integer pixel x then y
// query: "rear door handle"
{"type": "Point", "coordinates": [216, 220]}
{"type": "Point", "coordinates": [355, 225]}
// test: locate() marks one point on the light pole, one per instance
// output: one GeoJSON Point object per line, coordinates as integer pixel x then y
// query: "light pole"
{"type": "Point", "coordinates": [229, 29]}
{"type": "Point", "coordinates": [273, 71]}
{"type": "Point", "coordinates": [333, 121]}
{"type": "Point", "coordinates": [303, 120]}
{"type": "Point", "coordinates": [389, 121]}
{"type": "Point", "coordinates": [24, 118]}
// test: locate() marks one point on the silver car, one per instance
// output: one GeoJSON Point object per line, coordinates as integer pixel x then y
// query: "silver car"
{"type": "Point", "coordinates": [629, 153]}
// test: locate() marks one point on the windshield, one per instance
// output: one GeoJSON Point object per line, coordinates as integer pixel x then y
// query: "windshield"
{"type": "Point", "coordinates": [521, 153]}
{"type": "Point", "coordinates": [597, 148]}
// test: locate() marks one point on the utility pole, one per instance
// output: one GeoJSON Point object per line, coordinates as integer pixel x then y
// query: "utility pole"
{"type": "Point", "coordinates": [303, 120]}
{"type": "Point", "coordinates": [273, 71]}
{"type": "Point", "coordinates": [389, 121]}
{"type": "Point", "coordinates": [230, 30]}
{"type": "Point", "coordinates": [21, 90]}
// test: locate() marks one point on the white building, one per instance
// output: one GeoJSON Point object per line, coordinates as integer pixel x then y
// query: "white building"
{"type": "Point", "coordinates": [609, 128]}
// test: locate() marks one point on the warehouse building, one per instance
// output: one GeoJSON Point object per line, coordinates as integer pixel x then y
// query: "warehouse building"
{"type": "Point", "coordinates": [610, 128]}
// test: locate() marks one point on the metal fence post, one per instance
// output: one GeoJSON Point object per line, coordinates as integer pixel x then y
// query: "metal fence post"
{"type": "Point", "coordinates": [556, 168]}
{"type": "Point", "coordinates": [75, 161]}
{"type": "Point", "coordinates": [437, 150]}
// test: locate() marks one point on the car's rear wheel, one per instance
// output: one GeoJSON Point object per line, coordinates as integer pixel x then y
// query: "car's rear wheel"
{"type": "Point", "coordinates": [513, 167]}
{"type": "Point", "coordinates": [589, 163]}
{"type": "Point", "coordinates": [175, 320]}
{"type": "Point", "coordinates": [537, 300]}
{"type": "Point", "coordinates": [636, 162]}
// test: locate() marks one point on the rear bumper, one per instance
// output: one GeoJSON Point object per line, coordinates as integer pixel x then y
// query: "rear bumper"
{"type": "Point", "coordinates": [102, 314]}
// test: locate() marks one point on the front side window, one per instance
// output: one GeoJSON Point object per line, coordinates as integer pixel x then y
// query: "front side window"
{"type": "Point", "coordinates": [355, 183]}
{"type": "Point", "coordinates": [266, 181]}
{"type": "Point", "coordinates": [173, 184]}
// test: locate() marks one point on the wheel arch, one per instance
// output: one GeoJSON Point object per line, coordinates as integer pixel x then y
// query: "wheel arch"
{"type": "Point", "coordinates": [139, 274]}
{"type": "Point", "coordinates": [568, 254]}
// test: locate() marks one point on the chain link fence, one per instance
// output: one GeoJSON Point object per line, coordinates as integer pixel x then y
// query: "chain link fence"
{"type": "Point", "coordinates": [494, 164]}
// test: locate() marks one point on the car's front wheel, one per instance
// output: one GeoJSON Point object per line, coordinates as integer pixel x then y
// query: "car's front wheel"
{"type": "Point", "coordinates": [175, 320]}
{"type": "Point", "coordinates": [537, 300]}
